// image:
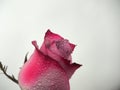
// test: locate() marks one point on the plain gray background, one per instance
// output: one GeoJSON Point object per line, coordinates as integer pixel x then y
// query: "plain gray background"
{"type": "Point", "coordinates": [93, 25]}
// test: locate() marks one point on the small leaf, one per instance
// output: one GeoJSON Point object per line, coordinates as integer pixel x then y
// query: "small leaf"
{"type": "Point", "coordinates": [25, 60]}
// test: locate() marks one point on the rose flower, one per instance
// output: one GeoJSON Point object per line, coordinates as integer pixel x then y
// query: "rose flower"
{"type": "Point", "coordinates": [50, 67]}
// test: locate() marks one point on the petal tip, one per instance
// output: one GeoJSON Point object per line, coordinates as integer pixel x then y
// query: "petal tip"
{"type": "Point", "coordinates": [77, 65]}
{"type": "Point", "coordinates": [48, 32]}
{"type": "Point", "coordinates": [34, 43]}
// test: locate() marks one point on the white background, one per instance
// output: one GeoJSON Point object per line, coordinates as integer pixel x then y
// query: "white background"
{"type": "Point", "coordinates": [93, 25]}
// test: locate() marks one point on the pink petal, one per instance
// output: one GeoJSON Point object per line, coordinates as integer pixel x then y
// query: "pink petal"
{"type": "Point", "coordinates": [52, 36]}
{"type": "Point", "coordinates": [60, 50]}
{"type": "Point", "coordinates": [57, 44]}
{"type": "Point", "coordinates": [69, 67]}
{"type": "Point", "coordinates": [42, 73]}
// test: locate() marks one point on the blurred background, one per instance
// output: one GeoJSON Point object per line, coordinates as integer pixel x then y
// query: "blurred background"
{"type": "Point", "coordinates": [93, 25]}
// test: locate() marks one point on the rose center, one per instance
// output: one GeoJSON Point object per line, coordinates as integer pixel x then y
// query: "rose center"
{"type": "Point", "coordinates": [64, 48]}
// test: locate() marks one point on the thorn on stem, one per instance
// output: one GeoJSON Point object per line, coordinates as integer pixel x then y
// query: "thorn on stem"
{"type": "Point", "coordinates": [4, 70]}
